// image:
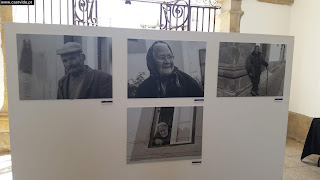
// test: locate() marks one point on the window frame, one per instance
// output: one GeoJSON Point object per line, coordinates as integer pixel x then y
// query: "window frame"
{"type": "Point", "coordinates": [175, 121]}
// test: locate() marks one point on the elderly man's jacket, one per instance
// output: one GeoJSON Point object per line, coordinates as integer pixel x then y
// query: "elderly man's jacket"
{"type": "Point", "coordinates": [180, 85]}
{"type": "Point", "coordinates": [97, 84]}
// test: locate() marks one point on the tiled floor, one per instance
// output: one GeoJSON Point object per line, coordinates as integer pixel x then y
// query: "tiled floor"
{"type": "Point", "coordinates": [294, 169]}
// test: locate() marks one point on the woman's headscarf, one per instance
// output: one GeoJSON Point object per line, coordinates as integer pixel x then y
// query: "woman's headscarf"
{"type": "Point", "coordinates": [173, 77]}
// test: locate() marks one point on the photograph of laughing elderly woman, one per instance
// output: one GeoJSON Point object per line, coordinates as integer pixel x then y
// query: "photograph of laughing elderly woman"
{"type": "Point", "coordinates": [167, 69]}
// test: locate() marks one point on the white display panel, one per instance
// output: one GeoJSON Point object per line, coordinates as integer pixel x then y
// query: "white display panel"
{"type": "Point", "coordinates": [243, 137]}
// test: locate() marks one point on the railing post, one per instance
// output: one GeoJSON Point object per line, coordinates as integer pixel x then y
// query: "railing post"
{"type": "Point", "coordinates": [189, 16]}
{"type": "Point", "coordinates": [73, 11]}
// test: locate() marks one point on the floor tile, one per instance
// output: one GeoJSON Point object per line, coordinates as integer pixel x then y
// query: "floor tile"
{"type": "Point", "coordinates": [300, 173]}
{"type": "Point", "coordinates": [293, 161]}
{"type": "Point", "coordinates": [293, 150]}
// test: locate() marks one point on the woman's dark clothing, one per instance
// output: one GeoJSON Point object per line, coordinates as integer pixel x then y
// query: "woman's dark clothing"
{"type": "Point", "coordinates": [179, 84]}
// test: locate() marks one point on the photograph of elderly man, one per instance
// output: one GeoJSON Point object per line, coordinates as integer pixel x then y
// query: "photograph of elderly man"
{"type": "Point", "coordinates": [81, 81]}
{"type": "Point", "coordinates": [171, 69]}
{"type": "Point", "coordinates": [251, 69]}
{"type": "Point", "coordinates": [69, 67]}
{"type": "Point", "coordinates": [254, 63]}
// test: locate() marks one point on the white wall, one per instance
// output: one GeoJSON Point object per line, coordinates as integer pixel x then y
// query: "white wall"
{"type": "Point", "coordinates": [47, 67]}
{"type": "Point", "coordinates": [264, 18]}
{"type": "Point", "coordinates": [275, 52]}
{"type": "Point", "coordinates": [299, 20]}
{"type": "Point", "coordinates": [305, 94]}
{"type": "Point", "coordinates": [132, 126]}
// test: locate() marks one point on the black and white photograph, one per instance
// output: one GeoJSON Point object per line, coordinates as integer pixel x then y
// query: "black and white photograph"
{"type": "Point", "coordinates": [64, 67]}
{"type": "Point", "coordinates": [165, 68]}
{"type": "Point", "coordinates": [164, 133]}
{"type": "Point", "coordinates": [251, 69]}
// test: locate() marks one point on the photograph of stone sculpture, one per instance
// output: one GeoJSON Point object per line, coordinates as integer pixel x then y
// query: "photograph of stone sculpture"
{"type": "Point", "coordinates": [165, 69]}
{"type": "Point", "coordinates": [251, 69]}
{"type": "Point", "coordinates": [164, 133]}
{"type": "Point", "coordinates": [64, 67]}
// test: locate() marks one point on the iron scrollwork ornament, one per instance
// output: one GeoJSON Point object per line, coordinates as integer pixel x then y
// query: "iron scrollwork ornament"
{"type": "Point", "coordinates": [85, 8]}
{"type": "Point", "coordinates": [175, 11]}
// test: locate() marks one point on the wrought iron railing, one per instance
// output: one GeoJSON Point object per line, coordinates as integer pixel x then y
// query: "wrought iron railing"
{"type": "Point", "coordinates": [85, 12]}
{"type": "Point", "coordinates": [179, 15]}
{"type": "Point", "coordinates": [69, 12]}
{"type": "Point", "coordinates": [183, 16]}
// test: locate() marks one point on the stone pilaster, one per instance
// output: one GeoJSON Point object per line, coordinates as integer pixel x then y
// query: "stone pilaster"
{"type": "Point", "coordinates": [5, 16]}
{"type": "Point", "coordinates": [233, 79]}
{"type": "Point", "coordinates": [230, 16]}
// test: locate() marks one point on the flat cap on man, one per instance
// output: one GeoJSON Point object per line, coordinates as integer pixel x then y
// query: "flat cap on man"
{"type": "Point", "coordinates": [69, 47]}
